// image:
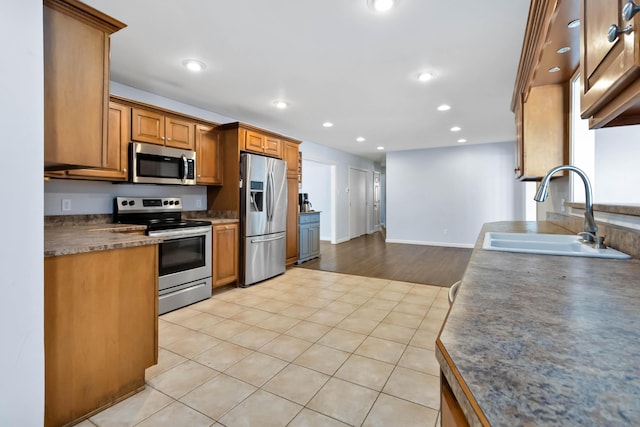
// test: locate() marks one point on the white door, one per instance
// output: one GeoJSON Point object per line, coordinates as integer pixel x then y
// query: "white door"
{"type": "Point", "coordinates": [357, 203]}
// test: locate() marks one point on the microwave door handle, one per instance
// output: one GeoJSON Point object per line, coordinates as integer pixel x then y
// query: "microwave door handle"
{"type": "Point", "coordinates": [185, 168]}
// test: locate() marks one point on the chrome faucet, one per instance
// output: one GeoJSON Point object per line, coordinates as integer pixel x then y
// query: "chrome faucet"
{"type": "Point", "coordinates": [589, 235]}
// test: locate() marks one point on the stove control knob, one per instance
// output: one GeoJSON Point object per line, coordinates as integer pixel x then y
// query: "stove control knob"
{"type": "Point", "coordinates": [132, 202]}
{"type": "Point", "coordinates": [171, 202]}
{"type": "Point", "coordinates": [177, 202]}
{"type": "Point", "coordinates": [165, 203]}
{"type": "Point", "coordinates": [124, 203]}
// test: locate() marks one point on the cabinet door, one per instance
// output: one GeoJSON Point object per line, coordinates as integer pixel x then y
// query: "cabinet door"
{"type": "Point", "coordinates": [179, 133]}
{"type": "Point", "coordinates": [116, 160]}
{"type": "Point", "coordinates": [76, 71]}
{"type": "Point", "coordinates": [314, 240]}
{"type": "Point", "coordinates": [254, 141]}
{"type": "Point", "coordinates": [208, 156]}
{"type": "Point", "coordinates": [304, 250]}
{"type": "Point", "coordinates": [225, 254]}
{"type": "Point", "coordinates": [273, 147]}
{"type": "Point", "coordinates": [291, 157]}
{"type": "Point", "coordinates": [543, 141]}
{"type": "Point", "coordinates": [606, 67]}
{"type": "Point", "coordinates": [292, 221]}
{"type": "Point", "coordinates": [147, 126]}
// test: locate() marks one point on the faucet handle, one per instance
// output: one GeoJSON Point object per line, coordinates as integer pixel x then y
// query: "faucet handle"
{"type": "Point", "coordinates": [599, 243]}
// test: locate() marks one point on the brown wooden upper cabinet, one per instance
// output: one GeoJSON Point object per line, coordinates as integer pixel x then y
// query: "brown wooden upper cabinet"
{"type": "Point", "coordinates": [116, 161]}
{"type": "Point", "coordinates": [76, 84]}
{"type": "Point", "coordinates": [208, 156]}
{"type": "Point", "coordinates": [542, 127]}
{"type": "Point", "coordinates": [540, 98]}
{"type": "Point", "coordinates": [157, 128]}
{"type": "Point", "coordinates": [610, 63]}
{"type": "Point", "coordinates": [257, 142]}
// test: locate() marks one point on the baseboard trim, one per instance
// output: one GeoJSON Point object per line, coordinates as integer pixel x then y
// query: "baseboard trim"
{"type": "Point", "coordinates": [345, 239]}
{"type": "Point", "coordinates": [424, 243]}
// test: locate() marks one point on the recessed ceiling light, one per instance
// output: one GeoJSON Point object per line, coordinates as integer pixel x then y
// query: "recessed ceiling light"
{"type": "Point", "coordinates": [444, 107]}
{"type": "Point", "coordinates": [564, 49]}
{"type": "Point", "coordinates": [462, 140]}
{"type": "Point", "coordinates": [380, 147]}
{"type": "Point", "coordinates": [426, 76]}
{"type": "Point", "coordinates": [574, 24]}
{"type": "Point", "coordinates": [455, 129]}
{"type": "Point", "coordinates": [381, 5]}
{"type": "Point", "coordinates": [194, 64]}
{"type": "Point", "coordinates": [280, 104]}
{"type": "Point", "coordinates": [360, 139]}
{"type": "Point", "coordinates": [554, 69]}
{"type": "Point", "coordinates": [327, 124]}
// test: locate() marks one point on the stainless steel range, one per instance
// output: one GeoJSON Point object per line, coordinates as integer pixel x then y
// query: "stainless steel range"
{"type": "Point", "coordinates": [184, 257]}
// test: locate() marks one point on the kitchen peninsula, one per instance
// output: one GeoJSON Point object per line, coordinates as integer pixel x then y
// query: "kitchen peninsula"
{"type": "Point", "coordinates": [542, 340]}
{"type": "Point", "coordinates": [100, 315]}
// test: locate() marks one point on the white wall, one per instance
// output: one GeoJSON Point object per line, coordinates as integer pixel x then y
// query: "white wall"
{"type": "Point", "coordinates": [617, 154]}
{"type": "Point", "coordinates": [21, 268]}
{"type": "Point", "coordinates": [443, 196]}
{"type": "Point", "coordinates": [317, 183]}
{"type": "Point", "coordinates": [342, 161]}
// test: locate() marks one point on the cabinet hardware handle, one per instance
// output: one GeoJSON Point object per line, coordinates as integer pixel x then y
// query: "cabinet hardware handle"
{"type": "Point", "coordinates": [614, 30]}
{"type": "Point", "coordinates": [168, 139]}
{"type": "Point", "coordinates": [629, 10]}
{"type": "Point", "coordinates": [162, 138]}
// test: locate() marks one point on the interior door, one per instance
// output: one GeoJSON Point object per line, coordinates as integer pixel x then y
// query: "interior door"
{"type": "Point", "coordinates": [376, 200]}
{"type": "Point", "coordinates": [357, 203]}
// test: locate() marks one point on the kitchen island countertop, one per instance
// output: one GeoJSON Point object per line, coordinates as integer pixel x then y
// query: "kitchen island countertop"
{"type": "Point", "coordinates": [544, 340]}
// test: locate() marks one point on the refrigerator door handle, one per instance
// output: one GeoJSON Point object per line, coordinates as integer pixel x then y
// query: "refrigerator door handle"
{"type": "Point", "coordinates": [271, 239]}
{"type": "Point", "coordinates": [270, 197]}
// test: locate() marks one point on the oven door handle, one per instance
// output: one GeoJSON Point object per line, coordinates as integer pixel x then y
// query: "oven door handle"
{"type": "Point", "coordinates": [271, 239]}
{"type": "Point", "coordinates": [182, 232]}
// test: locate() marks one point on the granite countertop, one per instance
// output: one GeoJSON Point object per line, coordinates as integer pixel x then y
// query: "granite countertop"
{"type": "Point", "coordinates": [544, 340]}
{"type": "Point", "coordinates": [219, 221]}
{"type": "Point", "coordinates": [74, 239]}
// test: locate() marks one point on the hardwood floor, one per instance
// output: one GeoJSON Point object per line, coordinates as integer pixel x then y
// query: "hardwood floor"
{"type": "Point", "coordinates": [371, 256]}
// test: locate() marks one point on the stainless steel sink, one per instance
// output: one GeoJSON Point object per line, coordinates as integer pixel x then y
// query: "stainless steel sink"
{"type": "Point", "coordinates": [546, 244]}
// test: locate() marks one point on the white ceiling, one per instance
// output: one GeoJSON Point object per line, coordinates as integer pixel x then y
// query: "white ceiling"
{"type": "Point", "coordinates": [331, 60]}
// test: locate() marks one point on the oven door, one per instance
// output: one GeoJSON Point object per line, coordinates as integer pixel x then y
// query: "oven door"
{"type": "Point", "coordinates": [184, 255]}
{"type": "Point", "coordinates": [184, 265]}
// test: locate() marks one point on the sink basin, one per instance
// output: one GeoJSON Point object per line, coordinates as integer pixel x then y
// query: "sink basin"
{"type": "Point", "coordinates": [546, 244]}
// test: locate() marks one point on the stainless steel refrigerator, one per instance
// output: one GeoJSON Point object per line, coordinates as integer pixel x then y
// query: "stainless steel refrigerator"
{"type": "Point", "coordinates": [263, 217]}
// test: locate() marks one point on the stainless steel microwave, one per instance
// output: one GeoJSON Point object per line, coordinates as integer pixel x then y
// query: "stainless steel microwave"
{"type": "Point", "coordinates": [155, 164]}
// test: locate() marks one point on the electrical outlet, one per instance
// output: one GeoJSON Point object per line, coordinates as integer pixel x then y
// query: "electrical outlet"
{"type": "Point", "coordinates": [445, 231]}
{"type": "Point", "coordinates": [66, 205]}
{"type": "Point", "coordinates": [198, 204]}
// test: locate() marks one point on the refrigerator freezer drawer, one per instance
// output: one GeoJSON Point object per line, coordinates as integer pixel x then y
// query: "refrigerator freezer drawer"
{"type": "Point", "coordinates": [264, 257]}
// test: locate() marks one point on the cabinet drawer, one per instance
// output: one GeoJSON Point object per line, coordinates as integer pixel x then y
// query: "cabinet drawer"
{"type": "Point", "coordinates": [308, 218]}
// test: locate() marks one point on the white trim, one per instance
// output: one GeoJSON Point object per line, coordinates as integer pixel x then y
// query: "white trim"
{"type": "Point", "coordinates": [345, 239]}
{"type": "Point", "coordinates": [422, 243]}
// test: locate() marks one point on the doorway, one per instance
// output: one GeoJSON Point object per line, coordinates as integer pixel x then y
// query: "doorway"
{"type": "Point", "coordinates": [357, 203]}
{"type": "Point", "coordinates": [319, 182]}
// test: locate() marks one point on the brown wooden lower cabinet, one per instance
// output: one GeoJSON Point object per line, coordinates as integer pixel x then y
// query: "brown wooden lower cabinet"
{"type": "Point", "coordinates": [292, 221]}
{"type": "Point", "coordinates": [225, 254]}
{"type": "Point", "coordinates": [100, 330]}
{"type": "Point", "coordinates": [451, 415]}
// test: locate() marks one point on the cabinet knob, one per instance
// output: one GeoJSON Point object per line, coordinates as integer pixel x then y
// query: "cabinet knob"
{"type": "Point", "coordinates": [162, 138]}
{"type": "Point", "coordinates": [629, 10]}
{"type": "Point", "coordinates": [614, 30]}
{"type": "Point", "coordinates": [124, 170]}
{"type": "Point", "coordinates": [168, 139]}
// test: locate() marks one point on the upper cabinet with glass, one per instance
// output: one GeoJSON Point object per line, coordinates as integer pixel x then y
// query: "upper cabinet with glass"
{"type": "Point", "coordinates": [610, 62]}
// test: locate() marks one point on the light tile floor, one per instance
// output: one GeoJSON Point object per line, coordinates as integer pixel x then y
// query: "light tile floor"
{"type": "Point", "coordinates": [308, 348]}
